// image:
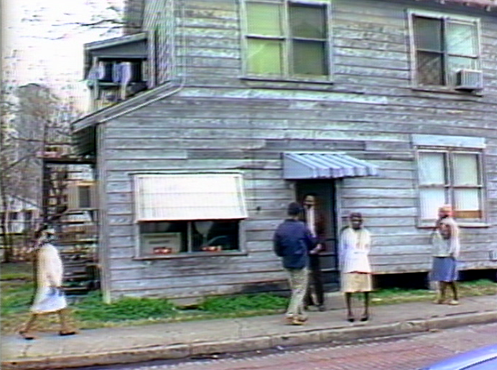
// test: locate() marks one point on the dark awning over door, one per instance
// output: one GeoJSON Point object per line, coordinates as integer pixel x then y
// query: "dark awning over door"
{"type": "Point", "coordinates": [325, 165]}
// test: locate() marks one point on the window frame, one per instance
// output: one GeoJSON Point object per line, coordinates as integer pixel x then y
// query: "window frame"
{"type": "Point", "coordinates": [139, 256]}
{"type": "Point", "coordinates": [444, 17]}
{"type": "Point", "coordinates": [287, 42]}
{"type": "Point", "coordinates": [449, 186]}
{"type": "Point", "coordinates": [241, 251]}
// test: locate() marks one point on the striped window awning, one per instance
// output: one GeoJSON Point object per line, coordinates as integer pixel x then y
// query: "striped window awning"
{"type": "Point", "coordinates": [325, 165]}
{"type": "Point", "coordinates": [179, 197]}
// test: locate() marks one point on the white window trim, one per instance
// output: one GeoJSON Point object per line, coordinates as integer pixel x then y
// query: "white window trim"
{"type": "Point", "coordinates": [484, 222]}
{"type": "Point", "coordinates": [411, 13]}
{"type": "Point", "coordinates": [287, 52]}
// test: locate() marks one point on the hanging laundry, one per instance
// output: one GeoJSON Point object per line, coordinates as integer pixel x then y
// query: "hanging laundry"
{"type": "Point", "coordinates": [116, 73]}
{"type": "Point", "coordinates": [126, 76]}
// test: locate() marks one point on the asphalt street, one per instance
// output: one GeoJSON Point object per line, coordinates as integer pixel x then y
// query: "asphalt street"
{"type": "Point", "coordinates": [394, 353]}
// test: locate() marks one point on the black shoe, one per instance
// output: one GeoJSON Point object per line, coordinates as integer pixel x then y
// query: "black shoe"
{"type": "Point", "coordinates": [321, 308]}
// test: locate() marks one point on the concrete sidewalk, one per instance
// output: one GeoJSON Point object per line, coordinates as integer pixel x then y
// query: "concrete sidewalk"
{"type": "Point", "coordinates": [182, 340]}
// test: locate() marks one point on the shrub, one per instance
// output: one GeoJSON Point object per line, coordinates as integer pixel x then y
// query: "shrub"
{"type": "Point", "coordinates": [91, 308]}
{"type": "Point", "coordinates": [247, 302]}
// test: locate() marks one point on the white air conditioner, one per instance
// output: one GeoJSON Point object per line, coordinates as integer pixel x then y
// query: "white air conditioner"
{"type": "Point", "coordinates": [468, 79]}
{"type": "Point", "coordinates": [81, 195]}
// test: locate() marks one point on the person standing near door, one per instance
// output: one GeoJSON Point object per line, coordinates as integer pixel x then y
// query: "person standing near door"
{"type": "Point", "coordinates": [292, 242]}
{"type": "Point", "coordinates": [355, 244]}
{"type": "Point", "coordinates": [315, 222]}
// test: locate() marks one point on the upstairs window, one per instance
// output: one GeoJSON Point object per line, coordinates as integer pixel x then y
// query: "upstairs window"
{"type": "Point", "coordinates": [443, 46]}
{"type": "Point", "coordinates": [451, 177]}
{"type": "Point", "coordinates": [287, 39]}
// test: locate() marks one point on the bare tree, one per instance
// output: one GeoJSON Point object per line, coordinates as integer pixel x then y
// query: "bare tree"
{"type": "Point", "coordinates": [105, 16]}
{"type": "Point", "coordinates": [34, 119]}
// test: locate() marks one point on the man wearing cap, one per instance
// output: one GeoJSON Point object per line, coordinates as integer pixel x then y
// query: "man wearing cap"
{"type": "Point", "coordinates": [446, 246]}
{"type": "Point", "coordinates": [292, 242]}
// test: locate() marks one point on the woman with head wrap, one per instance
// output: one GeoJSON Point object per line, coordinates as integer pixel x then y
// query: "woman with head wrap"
{"type": "Point", "coordinates": [355, 244]}
{"type": "Point", "coordinates": [49, 297]}
{"type": "Point", "coordinates": [446, 246]}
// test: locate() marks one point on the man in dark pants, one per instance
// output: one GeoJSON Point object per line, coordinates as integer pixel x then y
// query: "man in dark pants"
{"type": "Point", "coordinates": [292, 242]}
{"type": "Point", "coordinates": [315, 222]}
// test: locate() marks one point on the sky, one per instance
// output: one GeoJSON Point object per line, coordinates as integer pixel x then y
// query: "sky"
{"type": "Point", "coordinates": [42, 44]}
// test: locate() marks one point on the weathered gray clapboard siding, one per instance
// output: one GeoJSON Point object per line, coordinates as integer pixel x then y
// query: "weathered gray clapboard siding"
{"type": "Point", "coordinates": [189, 294]}
{"type": "Point", "coordinates": [221, 122]}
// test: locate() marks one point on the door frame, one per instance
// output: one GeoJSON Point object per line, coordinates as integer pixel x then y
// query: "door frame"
{"type": "Point", "coordinates": [329, 258]}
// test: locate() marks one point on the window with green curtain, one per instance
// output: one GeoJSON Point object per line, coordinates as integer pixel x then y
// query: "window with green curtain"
{"type": "Point", "coordinates": [287, 39]}
{"type": "Point", "coordinates": [264, 56]}
{"type": "Point", "coordinates": [264, 19]}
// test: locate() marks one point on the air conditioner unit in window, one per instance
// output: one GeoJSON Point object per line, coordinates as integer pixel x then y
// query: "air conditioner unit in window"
{"type": "Point", "coordinates": [81, 195]}
{"type": "Point", "coordinates": [468, 79]}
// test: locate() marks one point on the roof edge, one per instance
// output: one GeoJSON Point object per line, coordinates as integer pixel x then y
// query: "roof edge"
{"type": "Point", "coordinates": [126, 106]}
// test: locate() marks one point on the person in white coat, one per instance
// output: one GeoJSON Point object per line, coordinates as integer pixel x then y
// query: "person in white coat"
{"type": "Point", "coordinates": [354, 247]}
{"type": "Point", "coordinates": [49, 297]}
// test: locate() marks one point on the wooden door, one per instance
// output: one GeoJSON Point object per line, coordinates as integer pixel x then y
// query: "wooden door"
{"type": "Point", "coordinates": [326, 204]}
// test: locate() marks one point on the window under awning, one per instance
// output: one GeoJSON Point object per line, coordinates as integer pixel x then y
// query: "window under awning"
{"type": "Point", "coordinates": [179, 197]}
{"type": "Point", "coordinates": [325, 165]}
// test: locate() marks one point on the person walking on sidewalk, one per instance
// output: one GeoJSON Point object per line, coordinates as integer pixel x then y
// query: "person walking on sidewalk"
{"type": "Point", "coordinates": [446, 247]}
{"type": "Point", "coordinates": [49, 297]}
{"type": "Point", "coordinates": [354, 247]}
{"type": "Point", "coordinates": [315, 222]}
{"type": "Point", "coordinates": [292, 242]}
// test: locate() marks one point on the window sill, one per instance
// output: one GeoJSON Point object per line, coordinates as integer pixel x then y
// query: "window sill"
{"type": "Point", "coordinates": [191, 255]}
{"type": "Point", "coordinates": [466, 225]}
{"type": "Point", "coordinates": [282, 82]}
{"type": "Point", "coordinates": [447, 90]}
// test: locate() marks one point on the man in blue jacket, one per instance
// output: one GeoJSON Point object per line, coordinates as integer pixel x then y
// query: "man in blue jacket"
{"type": "Point", "coordinates": [293, 241]}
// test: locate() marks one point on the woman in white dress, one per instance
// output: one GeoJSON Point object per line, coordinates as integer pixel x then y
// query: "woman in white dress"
{"type": "Point", "coordinates": [49, 297]}
{"type": "Point", "coordinates": [355, 244]}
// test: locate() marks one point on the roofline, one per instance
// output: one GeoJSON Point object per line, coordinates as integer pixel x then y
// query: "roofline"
{"type": "Point", "coordinates": [485, 5]}
{"type": "Point", "coordinates": [115, 41]}
{"type": "Point", "coordinates": [126, 106]}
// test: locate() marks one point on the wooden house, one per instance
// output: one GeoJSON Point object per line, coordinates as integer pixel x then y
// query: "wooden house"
{"type": "Point", "coordinates": [230, 109]}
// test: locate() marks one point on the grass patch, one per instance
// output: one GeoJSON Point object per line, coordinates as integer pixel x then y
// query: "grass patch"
{"type": "Point", "coordinates": [252, 302]}
{"type": "Point", "coordinates": [16, 271]}
{"type": "Point", "coordinates": [90, 312]}
{"type": "Point", "coordinates": [91, 308]}
{"type": "Point", "coordinates": [466, 289]}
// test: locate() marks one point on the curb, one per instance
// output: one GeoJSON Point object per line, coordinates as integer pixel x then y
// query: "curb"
{"type": "Point", "coordinates": [179, 351]}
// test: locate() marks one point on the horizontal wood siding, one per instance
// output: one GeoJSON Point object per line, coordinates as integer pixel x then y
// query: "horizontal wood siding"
{"type": "Point", "coordinates": [219, 121]}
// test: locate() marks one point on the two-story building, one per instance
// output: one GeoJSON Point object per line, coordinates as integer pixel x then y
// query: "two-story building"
{"type": "Point", "coordinates": [211, 116]}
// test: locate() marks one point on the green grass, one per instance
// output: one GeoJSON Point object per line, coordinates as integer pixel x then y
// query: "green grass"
{"type": "Point", "coordinates": [90, 312]}
{"type": "Point", "coordinates": [16, 271]}
{"type": "Point", "coordinates": [91, 308]}
{"type": "Point", "coordinates": [255, 302]}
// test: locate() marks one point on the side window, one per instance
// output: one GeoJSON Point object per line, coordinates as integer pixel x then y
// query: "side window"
{"type": "Point", "coordinates": [451, 177]}
{"type": "Point", "coordinates": [188, 213]}
{"type": "Point", "coordinates": [446, 51]}
{"type": "Point", "coordinates": [287, 39]}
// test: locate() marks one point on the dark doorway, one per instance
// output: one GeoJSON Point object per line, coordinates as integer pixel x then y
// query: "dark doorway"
{"type": "Point", "coordinates": [325, 195]}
